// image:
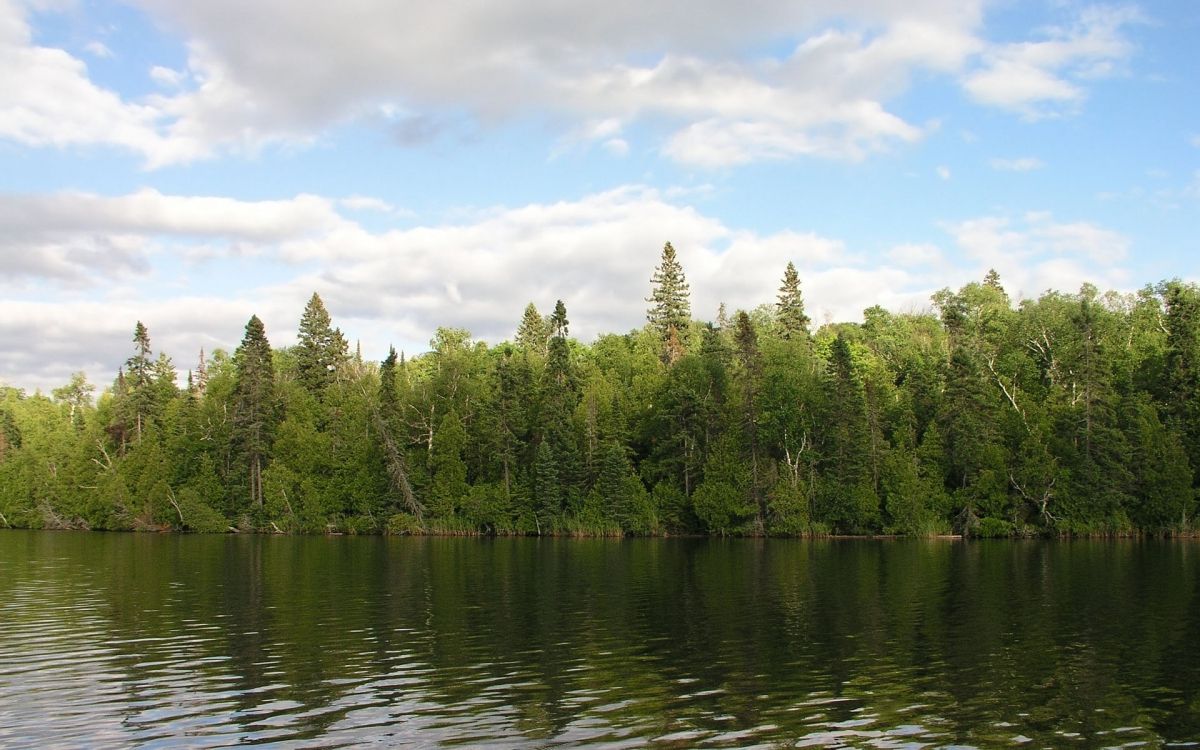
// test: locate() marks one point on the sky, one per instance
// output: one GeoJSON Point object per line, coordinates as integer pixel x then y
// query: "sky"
{"type": "Point", "coordinates": [188, 164]}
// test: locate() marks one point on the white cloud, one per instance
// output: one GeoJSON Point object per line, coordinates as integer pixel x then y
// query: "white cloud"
{"type": "Point", "coordinates": [595, 69]}
{"type": "Point", "coordinates": [396, 286]}
{"type": "Point", "coordinates": [1045, 78]}
{"type": "Point", "coordinates": [366, 203]}
{"type": "Point", "coordinates": [617, 147]}
{"type": "Point", "coordinates": [98, 49]}
{"type": "Point", "coordinates": [49, 100]}
{"type": "Point", "coordinates": [943, 172]}
{"type": "Point", "coordinates": [166, 77]}
{"type": "Point", "coordinates": [915, 254]}
{"type": "Point", "coordinates": [1019, 164]}
{"type": "Point", "coordinates": [82, 239]}
{"type": "Point", "coordinates": [681, 66]}
{"type": "Point", "coordinates": [1037, 253]}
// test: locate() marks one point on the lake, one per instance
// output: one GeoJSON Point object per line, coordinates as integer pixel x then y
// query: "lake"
{"type": "Point", "coordinates": [117, 640]}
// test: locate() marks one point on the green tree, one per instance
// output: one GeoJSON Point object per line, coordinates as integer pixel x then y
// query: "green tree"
{"type": "Point", "coordinates": [137, 397]}
{"type": "Point", "coordinates": [77, 395]}
{"type": "Point", "coordinates": [321, 349]}
{"type": "Point", "coordinates": [670, 312]}
{"type": "Point", "coordinates": [789, 310]}
{"type": "Point", "coordinates": [1182, 376]}
{"type": "Point", "coordinates": [449, 489]}
{"type": "Point", "coordinates": [849, 500]}
{"type": "Point", "coordinates": [533, 334]}
{"type": "Point", "coordinates": [254, 407]}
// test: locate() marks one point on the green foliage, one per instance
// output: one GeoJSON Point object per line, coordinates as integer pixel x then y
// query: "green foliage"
{"type": "Point", "coordinates": [992, 528]}
{"type": "Point", "coordinates": [321, 349]}
{"type": "Point", "coordinates": [254, 407]}
{"type": "Point", "coordinates": [449, 489]}
{"type": "Point", "coordinates": [1070, 414]}
{"type": "Point", "coordinates": [789, 310]}
{"type": "Point", "coordinates": [670, 310]}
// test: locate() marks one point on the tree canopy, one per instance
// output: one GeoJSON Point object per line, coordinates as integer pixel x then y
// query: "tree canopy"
{"type": "Point", "coordinates": [1072, 413]}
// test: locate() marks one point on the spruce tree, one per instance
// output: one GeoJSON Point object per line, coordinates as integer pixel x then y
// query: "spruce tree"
{"type": "Point", "coordinates": [557, 406]}
{"type": "Point", "coordinates": [389, 399]}
{"type": "Point", "coordinates": [254, 412]}
{"type": "Point", "coordinates": [850, 500]}
{"type": "Point", "coordinates": [321, 349]}
{"type": "Point", "coordinates": [139, 378]}
{"type": "Point", "coordinates": [749, 360]}
{"type": "Point", "coordinates": [558, 320]}
{"type": "Point", "coordinates": [201, 382]}
{"type": "Point", "coordinates": [793, 322]}
{"type": "Point", "coordinates": [449, 486]}
{"type": "Point", "coordinates": [547, 492]}
{"type": "Point", "coordinates": [670, 312]}
{"type": "Point", "coordinates": [532, 334]}
{"type": "Point", "coordinates": [1182, 367]}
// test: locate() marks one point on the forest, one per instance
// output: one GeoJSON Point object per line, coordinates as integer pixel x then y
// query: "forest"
{"type": "Point", "coordinates": [1069, 414]}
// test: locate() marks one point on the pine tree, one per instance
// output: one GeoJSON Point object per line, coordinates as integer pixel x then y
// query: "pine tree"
{"type": "Point", "coordinates": [1183, 364]}
{"type": "Point", "coordinates": [793, 322]}
{"type": "Point", "coordinates": [449, 487]}
{"type": "Point", "coordinates": [139, 378]}
{"type": "Point", "coordinates": [671, 311]}
{"type": "Point", "coordinates": [557, 406]}
{"type": "Point", "coordinates": [547, 493]}
{"type": "Point", "coordinates": [321, 349]}
{"type": "Point", "coordinates": [201, 383]}
{"type": "Point", "coordinates": [254, 413]}
{"type": "Point", "coordinates": [165, 388]}
{"type": "Point", "coordinates": [850, 502]}
{"type": "Point", "coordinates": [992, 281]}
{"type": "Point", "coordinates": [558, 321]}
{"type": "Point", "coordinates": [389, 398]}
{"type": "Point", "coordinates": [532, 334]}
{"type": "Point", "coordinates": [749, 360]}
{"type": "Point", "coordinates": [386, 421]}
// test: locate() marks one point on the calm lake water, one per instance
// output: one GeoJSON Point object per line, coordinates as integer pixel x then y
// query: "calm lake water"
{"type": "Point", "coordinates": [118, 640]}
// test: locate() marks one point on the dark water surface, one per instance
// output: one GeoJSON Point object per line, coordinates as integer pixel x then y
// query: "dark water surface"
{"type": "Point", "coordinates": [118, 640]}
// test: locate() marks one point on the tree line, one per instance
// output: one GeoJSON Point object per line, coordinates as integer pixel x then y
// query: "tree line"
{"type": "Point", "coordinates": [1071, 414]}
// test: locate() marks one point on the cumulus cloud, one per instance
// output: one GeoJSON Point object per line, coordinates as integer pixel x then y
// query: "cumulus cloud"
{"type": "Point", "coordinates": [597, 253]}
{"type": "Point", "coordinates": [915, 254]}
{"type": "Point", "coordinates": [83, 239]}
{"type": "Point", "coordinates": [166, 77]}
{"type": "Point", "coordinates": [1020, 164]}
{"type": "Point", "coordinates": [48, 98]}
{"type": "Point", "coordinates": [1035, 252]}
{"type": "Point", "coordinates": [1046, 77]}
{"type": "Point", "coordinates": [825, 91]}
{"type": "Point", "coordinates": [367, 203]}
{"type": "Point", "coordinates": [98, 49]}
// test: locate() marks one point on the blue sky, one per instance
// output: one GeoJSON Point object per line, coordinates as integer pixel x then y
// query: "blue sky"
{"type": "Point", "coordinates": [189, 164]}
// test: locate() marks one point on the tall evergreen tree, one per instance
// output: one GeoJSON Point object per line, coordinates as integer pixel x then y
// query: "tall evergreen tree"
{"type": "Point", "coordinates": [850, 502]}
{"type": "Point", "coordinates": [749, 360]}
{"type": "Point", "coordinates": [533, 334]}
{"type": "Point", "coordinates": [558, 321]}
{"type": "Point", "coordinates": [789, 310]}
{"type": "Point", "coordinates": [321, 349]}
{"type": "Point", "coordinates": [201, 382]}
{"type": "Point", "coordinates": [1183, 364]}
{"type": "Point", "coordinates": [254, 409]}
{"type": "Point", "coordinates": [449, 486]}
{"type": "Point", "coordinates": [556, 408]}
{"type": "Point", "coordinates": [670, 311]}
{"type": "Point", "coordinates": [139, 379]}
